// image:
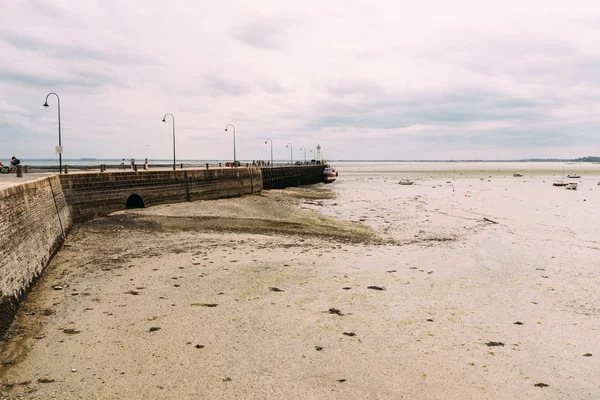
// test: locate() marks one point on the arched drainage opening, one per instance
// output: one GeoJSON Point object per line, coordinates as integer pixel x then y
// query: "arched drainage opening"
{"type": "Point", "coordinates": [135, 201]}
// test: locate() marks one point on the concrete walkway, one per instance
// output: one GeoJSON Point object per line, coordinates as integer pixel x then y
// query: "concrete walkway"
{"type": "Point", "coordinates": [10, 180]}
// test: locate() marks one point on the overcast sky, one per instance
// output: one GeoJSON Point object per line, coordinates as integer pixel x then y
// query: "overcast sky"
{"type": "Point", "coordinates": [365, 79]}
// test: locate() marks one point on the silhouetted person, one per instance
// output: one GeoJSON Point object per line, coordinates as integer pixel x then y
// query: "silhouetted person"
{"type": "Point", "coordinates": [14, 161]}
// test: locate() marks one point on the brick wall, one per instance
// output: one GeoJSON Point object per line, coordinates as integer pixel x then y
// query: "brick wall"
{"type": "Point", "coordinates": [30, 234]}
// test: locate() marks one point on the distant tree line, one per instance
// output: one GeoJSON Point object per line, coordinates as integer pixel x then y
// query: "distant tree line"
{"type": "Point", "coordinates": [582, 159]}
{"type": "Point", "coordinates": [587, 159]}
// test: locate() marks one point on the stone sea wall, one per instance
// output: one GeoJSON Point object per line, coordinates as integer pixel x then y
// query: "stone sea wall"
{"type": "Point", "coordinates": [34, 220]}
{"type": "Point", "coordinates": [282, 177]}
{"type": "Point", "coordinates": [94, 195]}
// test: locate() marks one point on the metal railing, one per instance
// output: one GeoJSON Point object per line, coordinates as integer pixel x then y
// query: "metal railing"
{"type": "Point", "coordinates": [161, 166]}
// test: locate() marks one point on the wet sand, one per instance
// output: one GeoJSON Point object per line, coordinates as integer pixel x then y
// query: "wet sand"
{"type": "Point", "coordinates": [359, 289]}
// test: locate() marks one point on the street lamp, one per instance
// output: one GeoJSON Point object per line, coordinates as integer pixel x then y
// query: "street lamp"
{"type": "Point", "coordinates": [234, 159]}
{"type": "Point", "coordinates": [59, 141]}
{"type": "Point", "coordinates": [303, 147]}
{"type": "Point", "coordinates": [165, 120]}
{"type": "Point", "coordinates": [291, 153]}
{"type": "Point", "coordinates": [271, 150]}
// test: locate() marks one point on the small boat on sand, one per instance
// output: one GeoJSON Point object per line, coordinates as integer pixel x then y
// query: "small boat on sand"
{"type": "Point", "coordinates": [406, 182]}
{"type": "Point", "coordinates": [571, 186]}
{"type": "Point", "coordinates": [573, 176]}
{"type": "Point", "coordinates": [562, 182]}
{"type": "Point", "coordinates": [517, 175]}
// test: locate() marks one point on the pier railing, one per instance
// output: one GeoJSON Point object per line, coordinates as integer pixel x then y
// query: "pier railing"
{"type": "Point", "coordinates": [141, 166]}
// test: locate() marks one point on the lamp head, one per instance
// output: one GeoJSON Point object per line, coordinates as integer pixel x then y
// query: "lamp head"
{"type": "Point", "coordinates": [225, 129]}
{"type": "Point", "coordinates": [164, 120]}
{"type": "Point", "coordinates": [46, 104]}
{"type": "Point", "coordinates": [265, 142]}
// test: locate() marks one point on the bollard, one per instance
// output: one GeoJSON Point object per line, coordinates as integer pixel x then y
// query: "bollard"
{"type": "Point", "coordinates": [102, 167]}
{"type": "Point", "coordinates": [181, 165]}
{"type": "Point", "coordinates": [247, 165]}
{"type": "Point", "coordinates": [66, 169]}
{"type": "Point", "coordinates": [26, 169]}
{"type": "Point", "coordinates": [19, 171]}
{"type": "Point", "coordinates": [206, 165]}
{"type": "Point", "coordinates": [135, 167]}
{"type": "Point", "coordinates": [219, 164]}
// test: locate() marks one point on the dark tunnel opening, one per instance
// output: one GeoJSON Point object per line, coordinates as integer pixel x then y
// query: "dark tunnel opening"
{"type": "Point", "coordinates": [135, 201]}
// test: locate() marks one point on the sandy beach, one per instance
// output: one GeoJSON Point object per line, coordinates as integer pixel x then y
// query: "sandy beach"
{"type": "Point", "coordinates": [469, 284]}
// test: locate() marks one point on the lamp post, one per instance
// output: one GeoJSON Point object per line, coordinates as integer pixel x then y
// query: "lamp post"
{"type": "Point", "coordinates": [59, 139]}
{"type": "Point", "coordinates": [165, 120]}
{"type": "Point", "coordinates": [234, 159]}
{"type": "Point", "coordinates": [304, 147]}
{"type": "Point", "coordinates": [291, 153]}
{"type": "Point", "coordinates": [271, 150]}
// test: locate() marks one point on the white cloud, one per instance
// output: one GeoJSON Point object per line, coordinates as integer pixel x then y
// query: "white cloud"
{"type": "Point", "coordinates": [365, 79]}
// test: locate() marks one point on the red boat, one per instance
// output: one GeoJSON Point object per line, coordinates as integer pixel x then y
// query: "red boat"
{"type": "Point", "coordinates": [329, 174]}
